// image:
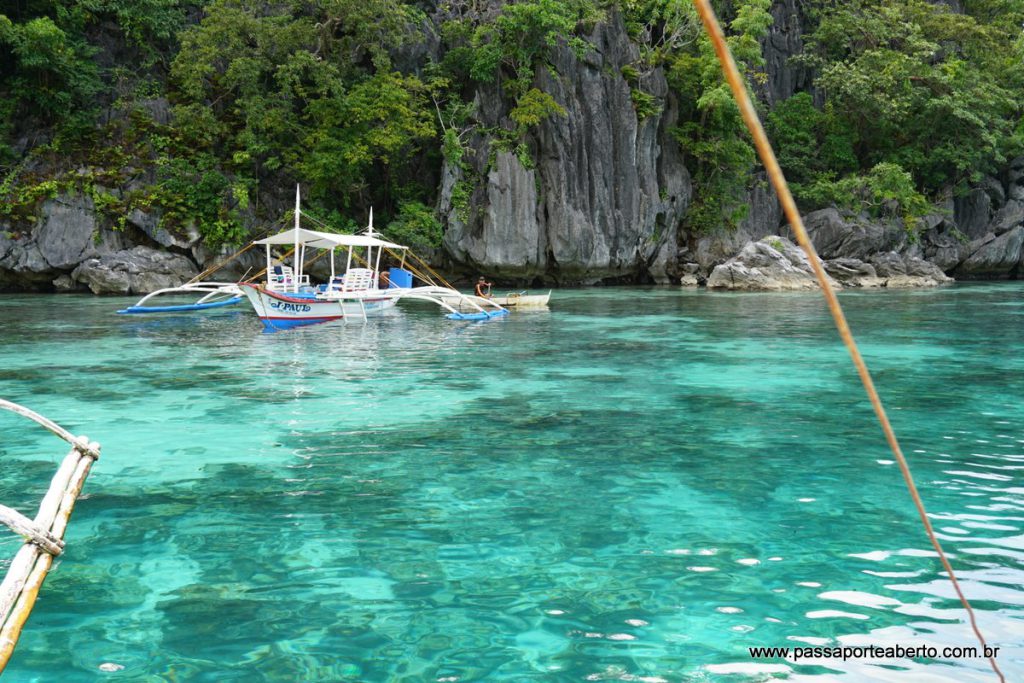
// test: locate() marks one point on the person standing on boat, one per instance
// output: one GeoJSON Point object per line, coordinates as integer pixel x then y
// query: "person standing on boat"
{"type": "Point", "coordinates": [483, 288]}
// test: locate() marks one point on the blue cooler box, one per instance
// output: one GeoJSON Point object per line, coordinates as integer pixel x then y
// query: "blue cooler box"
{"type": "Point", "coordinates": [399, 277]}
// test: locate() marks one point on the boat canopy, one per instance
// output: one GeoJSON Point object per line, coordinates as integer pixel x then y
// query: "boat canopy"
{"type": "Point", "coordinates": [326, 240]}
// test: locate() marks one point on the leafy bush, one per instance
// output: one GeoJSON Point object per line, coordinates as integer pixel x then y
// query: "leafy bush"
{"type": "Point", "coordinates": [416, 226]}
{"type": "Point", "coordinates": [886, 189]}
{"type": "Point", "coordinates": [712, 135]}
{"type": "Point", "coordinates": [914, 84]}
{"type": "Point", "coordinates": [192, 191]}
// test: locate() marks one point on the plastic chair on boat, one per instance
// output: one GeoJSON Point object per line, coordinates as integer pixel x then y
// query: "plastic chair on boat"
{"type": "Point", "coordinates": [358, 279]}
{"type": "Point", "coordinates": [280, 276]}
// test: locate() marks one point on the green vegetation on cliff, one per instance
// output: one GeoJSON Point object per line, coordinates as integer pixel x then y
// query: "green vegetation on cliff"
{"type": "Point", "coordinates": [205, 109]}
{"type": "Point", "coordinates": [918, 100]}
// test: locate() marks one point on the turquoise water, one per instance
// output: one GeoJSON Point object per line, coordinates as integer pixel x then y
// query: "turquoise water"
{"type": "Point", "coordinates": [637, 485]}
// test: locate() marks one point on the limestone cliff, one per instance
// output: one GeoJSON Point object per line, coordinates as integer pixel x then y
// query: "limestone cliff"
{"type": "Point", "coordinates": [602, 192]}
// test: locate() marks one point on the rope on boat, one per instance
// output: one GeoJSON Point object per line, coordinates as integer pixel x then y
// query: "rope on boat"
{"type": "Point", "coordinates": [771, 164]}
{"type": "Point", "coordinates": [423, 277]}
{"type": "Point", "coordinates": [429, 269]}
{"type": "Point", "coordinates": [44, 535]}
{"type": "Point", "coordinates": [217, 266]}
{"type": "Point", "coordinates": [262, 271]}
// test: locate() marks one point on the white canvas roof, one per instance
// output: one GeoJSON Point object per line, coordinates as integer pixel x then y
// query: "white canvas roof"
{"type": "Point", "coordinates": [326, 240]}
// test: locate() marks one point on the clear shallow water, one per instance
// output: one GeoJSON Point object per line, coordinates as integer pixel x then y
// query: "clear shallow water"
{"type": "Point", "coordinates": [636, 485]}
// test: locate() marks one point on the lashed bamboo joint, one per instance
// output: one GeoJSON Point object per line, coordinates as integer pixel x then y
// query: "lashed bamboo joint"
{"type": "Point", "coordinates": [44, 536]}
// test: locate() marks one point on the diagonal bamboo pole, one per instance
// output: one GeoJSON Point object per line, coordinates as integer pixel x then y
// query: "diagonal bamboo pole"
{"type": "Point", "coordinates": [771, 164]}
{"type": "Point", "coordinates": [217, 266]}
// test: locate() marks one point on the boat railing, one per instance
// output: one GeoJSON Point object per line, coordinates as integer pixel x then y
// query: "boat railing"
{"type": "Point", "coordinates": [43, 535]}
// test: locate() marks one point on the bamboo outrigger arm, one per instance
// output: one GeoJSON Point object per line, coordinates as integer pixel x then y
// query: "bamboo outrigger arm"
{"type": "Point", "coordinates": [44, 536]}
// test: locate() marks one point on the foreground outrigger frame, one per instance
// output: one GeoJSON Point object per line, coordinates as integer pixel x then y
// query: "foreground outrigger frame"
{"type": "Point", "coordinates": [44, 534]}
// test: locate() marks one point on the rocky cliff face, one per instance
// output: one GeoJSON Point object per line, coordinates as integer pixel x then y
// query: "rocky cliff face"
{"type": "Point", "coordinates": [784, 40]}
{"type": "Point", "coordinates": [605, 198]}
{"type": "Point", "coordinates": [602, 192]}
{"type": "Point", "coordinates": [68, 250]}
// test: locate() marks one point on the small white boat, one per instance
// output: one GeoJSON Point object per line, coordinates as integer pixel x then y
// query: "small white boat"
{"type": "Point", "coordinates": [522, 300]}
{"type": "Point", "coordinates": [516, 300]}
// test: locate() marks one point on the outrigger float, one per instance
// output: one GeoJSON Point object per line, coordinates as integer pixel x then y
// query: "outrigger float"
{"type": "Point", "coordinates": [286, 297]}
{"type": "Point", "coordinates": [214, 295]}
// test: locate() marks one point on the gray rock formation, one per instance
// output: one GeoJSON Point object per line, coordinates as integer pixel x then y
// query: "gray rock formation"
{"type": "Point", "coordinates": [776, 264]}
{"type": "Point", "coordinates": [988, 246]}
{"type": "Point", "coordinates": [994, 257]}
{"type": "Point", "coordinates": [770, 264]}
{"type": "Point", "coordinates": [984, 239]}
{"type": "Point", "coordinates": [762, 220]}
{"type": "Point", "coordinates": [689, 275]}
{"type": "Point", "coordinates": [944, 245]}
{"type": "Point", "coordinates": [65, 234]}
{"type": "Point", "coordinates": [68, 250]}
{"type": "Point", "coordinates": [851, 272]}
{"type": "Point", "coordinates": [838, 236]}
{"type": "Point", "coordinates": [1009, 216]}
{"type": "Point", "coordinates": [134, 271]}
{"type": "Point", "coordinates": [607, 190]}
{"type": "Point", "coordinates": [784, 40]}
{"type": "Point", "coordinates": [1015, 179]}
{"type": "Point", "coordinates": [901, 271]}
{"type": "Point", "coordinates": [149, 225]}
{"type": "Point", "coordinates": [973, 212]}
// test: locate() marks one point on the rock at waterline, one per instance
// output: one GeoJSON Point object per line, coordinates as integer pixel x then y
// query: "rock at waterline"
{"type": "Point", "coordinates": [775, 264]}
{"type": "Point", "coordinates": [771, 264]}
{"type": "Point", "coordinates": [851, 272]}
{"type": "Point", "coordinates": [900, 271]}
{"type": "Point", "coordinates": [134, 271]}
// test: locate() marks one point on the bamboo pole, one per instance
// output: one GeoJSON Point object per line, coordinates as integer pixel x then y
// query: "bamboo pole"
{"type": "Point", "coordinates": [49, 424]}
{"type": "Point", "coordinates": [771, 164]}
{"type": "Point", "coordinates": [217, 266]}
{"type": "Point", "coordinates": [44, 536]}
{"type": "Point", "coordinates": [430, 270]}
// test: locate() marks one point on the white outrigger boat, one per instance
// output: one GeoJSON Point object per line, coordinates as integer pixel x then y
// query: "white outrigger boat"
{"type": "Point", "coordinates": [287, 298]}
